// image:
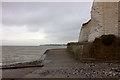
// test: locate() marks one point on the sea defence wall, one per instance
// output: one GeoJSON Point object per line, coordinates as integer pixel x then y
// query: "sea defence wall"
{"type": "Point", "coordinates": [79, 49]}
{"type": "Point", "coordinates": [103, 49]}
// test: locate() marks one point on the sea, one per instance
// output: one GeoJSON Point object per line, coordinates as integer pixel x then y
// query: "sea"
{"type": "Point", "coordinates": [21, 54]}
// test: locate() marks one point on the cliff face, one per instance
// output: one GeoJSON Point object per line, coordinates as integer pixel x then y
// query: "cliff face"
{"type": "Point", "coordinates": [85, 31]}
{"type": "Point", "coordinates": [95, 43]}
{"type": "Point", "coordinates": [119, 20]}
{"type": "Point", "coordinates": [104, 20]}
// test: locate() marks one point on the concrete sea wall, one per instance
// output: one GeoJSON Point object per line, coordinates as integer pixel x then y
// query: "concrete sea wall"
{"type": "Point", "coordinates": [106, 48]}
{"type": "Point", "coordinates": [79, 49]}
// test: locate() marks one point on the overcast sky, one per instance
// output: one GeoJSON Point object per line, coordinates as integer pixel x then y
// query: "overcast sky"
{"type": "Point", "coordinates": [35, 23]}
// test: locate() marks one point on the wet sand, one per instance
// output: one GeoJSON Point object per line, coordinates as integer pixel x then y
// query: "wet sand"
{"type": "Point", "coordinates": [60, 64]}
{"type": "Point", "coordinates": [16, 73]}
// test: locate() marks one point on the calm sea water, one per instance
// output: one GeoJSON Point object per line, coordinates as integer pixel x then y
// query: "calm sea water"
{"type": "Point", "coordinates": [15, 54]}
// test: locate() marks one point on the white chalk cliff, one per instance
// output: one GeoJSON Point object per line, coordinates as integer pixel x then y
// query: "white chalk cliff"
{"type": "Point", "coordinates": [105, 19]}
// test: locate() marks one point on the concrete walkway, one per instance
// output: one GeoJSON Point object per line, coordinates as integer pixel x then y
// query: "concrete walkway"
{"type": "Point", "coordinates": [56, 63]}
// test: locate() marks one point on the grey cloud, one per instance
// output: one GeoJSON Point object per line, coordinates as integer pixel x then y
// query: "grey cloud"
{"type": "Point", "coordinates": [58, 20]}
{"type": "Point", "coordinates": [40, 13]}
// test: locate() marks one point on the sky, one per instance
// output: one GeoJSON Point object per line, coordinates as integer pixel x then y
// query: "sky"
{"type": "Point", "coordinates": [35, 23]}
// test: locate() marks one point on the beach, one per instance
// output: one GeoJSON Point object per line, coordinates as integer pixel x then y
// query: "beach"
{"type": "Point", "coordinates": [58, 63]}
{"type": "Point", "coordinates": [60, 39]}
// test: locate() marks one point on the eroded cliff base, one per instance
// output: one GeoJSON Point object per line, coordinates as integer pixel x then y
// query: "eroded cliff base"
{"type": "Point", "coordinates": [103, 49]}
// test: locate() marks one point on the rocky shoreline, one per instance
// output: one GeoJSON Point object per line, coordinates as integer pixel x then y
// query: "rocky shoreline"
{"type": "Point", "coordinates": [86, 71]}
{"type": "Point", "coordinates": [58, 63]}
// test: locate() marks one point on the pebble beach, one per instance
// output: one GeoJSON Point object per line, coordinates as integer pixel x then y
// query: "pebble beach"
{"type": "Point", "coordinates": [59, 64]}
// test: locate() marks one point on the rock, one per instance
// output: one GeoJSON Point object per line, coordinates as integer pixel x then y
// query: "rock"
{"type": "Point", "coordinates": [67, 76]}
{"type": "Point", "coordinates": [117, 70]}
